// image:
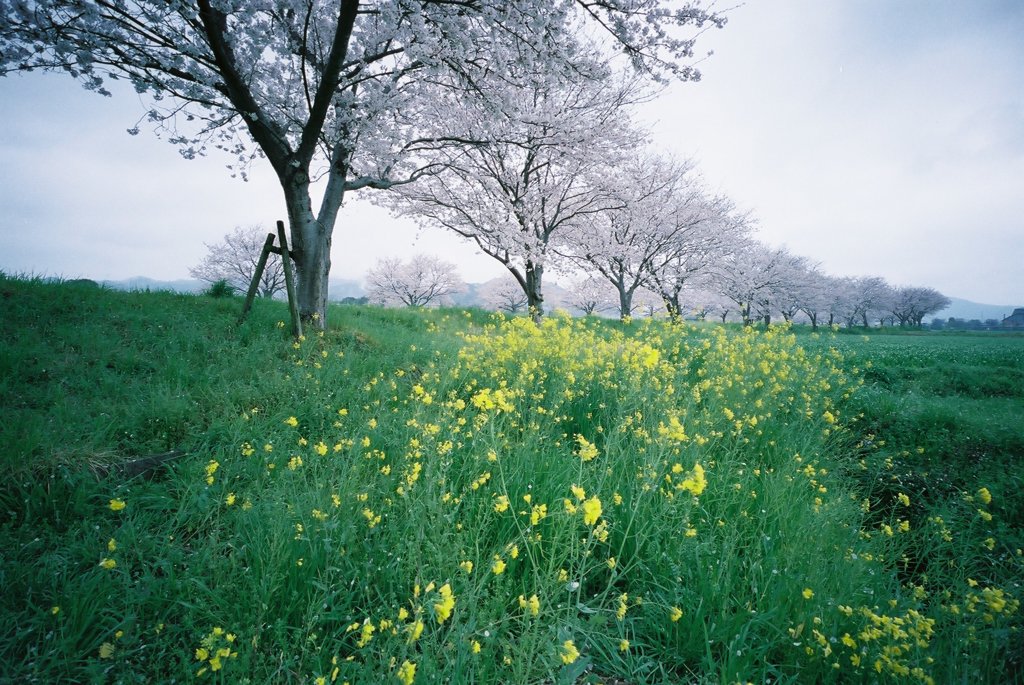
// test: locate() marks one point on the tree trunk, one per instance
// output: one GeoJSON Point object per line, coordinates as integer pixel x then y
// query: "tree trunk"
{"type": "Point", "coordinates": [311, 250]}
{"type": "Point", "coordinates": [672, 307]}
{"type": "Point", "coordinates": [534, 292]}
{"type": "Point", "coordinates": [625, 302]}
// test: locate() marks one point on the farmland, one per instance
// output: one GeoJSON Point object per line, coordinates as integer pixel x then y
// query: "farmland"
{"type": "Point", "coordinates": [450, 496]}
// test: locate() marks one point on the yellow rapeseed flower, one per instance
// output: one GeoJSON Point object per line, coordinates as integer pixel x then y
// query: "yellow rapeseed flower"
{"type": "Point", "coordinates": [108, 563]}
{"type": "Point", "coordinates": [538, 513]}
{"type": "Point", "coordinates": [498, 567]}
{"type": "Point", "coordinates": [587, 450]}
{"type": "Point", "coordinates": [531, 605]}
{"type": "Point", "coordinates": [117, 504]}
{"type": "Point", "coordinates": [569, 653]}
{"type": "Point", "coordinates": [466, 566]}
{"type": "Point", "coordinates": [808, 593]}
{"type": "Point", "coordinates": [292, 421]}
{"type": "Point", "coordinates": [695, 482]}
{"type": "Point", "coordinates": [675, 614]}
{"type": "Point", "coordinates": [406, 673]}
{"type": "Point", "coordinates": [443, 609]}
{"type": "Point", "coordinates": [591, 510]}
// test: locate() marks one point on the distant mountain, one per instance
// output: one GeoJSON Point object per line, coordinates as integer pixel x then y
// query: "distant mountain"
{"type": "Point", "coordinates": [183, 285]}
{"type": "Point", "coordinates": [967, 310]}
{"type": "Point", "coordinates": [340, 288]}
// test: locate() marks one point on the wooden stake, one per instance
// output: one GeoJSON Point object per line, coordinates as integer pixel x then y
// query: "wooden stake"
{"type": "Point", "coordinates": [293, 303]}
{"type": "Point", "coordinates": [268, 247]}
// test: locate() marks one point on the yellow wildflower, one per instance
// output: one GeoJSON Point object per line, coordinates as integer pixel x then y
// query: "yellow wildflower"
{"type": "Point", "coordinates": [569, 653]}
{"type": "Point", "coordinates": [498, 567]}
{"type": "Point", "coordinates": [443, 608]}
{"type": "Point", "coordinates": [808, 593]}
{"type": "Point", "coordinates": [675, 614]}
{"type": "Point", "coordinates": [501, 503]}
{"type": "Point", "coordinates": [292, 421]}
{"type": "Point", "coordinates": [591, 510]}
{"type": "Point", "coordinates": [587, 450]}
{"type": "Point", "coordinates": [531, 605]}
{"type": "Point", "coordinates": [117, 504]}
{"type": "Point", "coordinates": [108, 563]}
{"type": "Point", "coordinates": [106, 650]}
{"type": "Point", "coordinates": [695, 482]}
{"type": "Point", "coordinates": [406, 673]}
{"type": "Point", "coordinates": [414, 630]}
{"type": "Point", "coordinates": [467, 566]}
{"type": "Point", "coordinates": [539, 512]}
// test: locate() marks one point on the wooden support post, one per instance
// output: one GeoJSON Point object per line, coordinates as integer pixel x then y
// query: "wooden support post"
{"type": "Point", "coordinates": [286, 261]}
{"type": "Point", "coordinates": [268, 247]}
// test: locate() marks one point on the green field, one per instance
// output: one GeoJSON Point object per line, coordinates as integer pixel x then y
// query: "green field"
{"type": "Point", "coordinates": [450, 496]}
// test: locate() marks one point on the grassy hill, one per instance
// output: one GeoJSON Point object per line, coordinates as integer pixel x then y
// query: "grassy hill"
{"type": "Point", "coordinates": [448, 496]}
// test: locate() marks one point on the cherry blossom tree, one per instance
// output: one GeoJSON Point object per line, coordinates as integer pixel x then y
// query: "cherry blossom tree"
{"type": "Point", "coordinates": [794, 289]}
{"type": "Point", "coordinates": [868, 299]}
{"type": "Point", "coordinates": [421, 281]}
{"type": "Point", "coordinates": [911, 304]}
{"type": "Point", "coordinates": [699, 253]}
{"type": "Point", "coordinates": [815, 294]}
{"type": "Point", "coordinates": [590, 295]}
{"type": "Point", "coordinates": [504, 294]}
{"type": "Point", "coordinates": [652, 203]}
{"type": "Point", "coordinates": [520, 194]}
{"type": "Point", "coordinates": [329, 91]}
{"type": "Point", "coordinates": [750, 275]}
{"type": "Point", "coordinates": [235, 258]}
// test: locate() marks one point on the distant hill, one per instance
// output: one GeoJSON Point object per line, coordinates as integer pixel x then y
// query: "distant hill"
{"type": "Point", "coordinates": [967, 310]}
{"type": "Point", "coordinates": [338, 288]}
{"type": "Point", "coordinates": [182, 285]}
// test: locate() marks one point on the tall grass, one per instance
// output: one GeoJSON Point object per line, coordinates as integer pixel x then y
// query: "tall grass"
{"type": "Point", "coordinates": [421, 496]}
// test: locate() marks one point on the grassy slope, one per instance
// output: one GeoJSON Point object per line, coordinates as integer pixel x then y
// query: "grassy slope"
{"type": "Point", "coordinates": [92, 378]}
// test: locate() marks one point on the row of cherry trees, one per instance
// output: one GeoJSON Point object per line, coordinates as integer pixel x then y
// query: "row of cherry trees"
{"type": "Point", "coordinates": [751, 281]}
{"type": "Point", "coordinates": [755, 283]}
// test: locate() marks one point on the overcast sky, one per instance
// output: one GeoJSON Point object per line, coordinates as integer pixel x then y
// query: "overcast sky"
{"type": "Point", "coordinates": [877, 137]}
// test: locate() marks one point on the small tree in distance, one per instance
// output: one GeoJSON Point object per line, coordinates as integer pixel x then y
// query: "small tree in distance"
{"type": "Point", "coordinates": [504, 294]}
{"type": "Point", "coordinates": [234, 260]}
{"type": "Point", "coordinates": [421, 281]}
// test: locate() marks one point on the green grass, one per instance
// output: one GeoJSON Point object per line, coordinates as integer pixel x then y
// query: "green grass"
{"type": "Point", "coordinates": [809, 508]}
